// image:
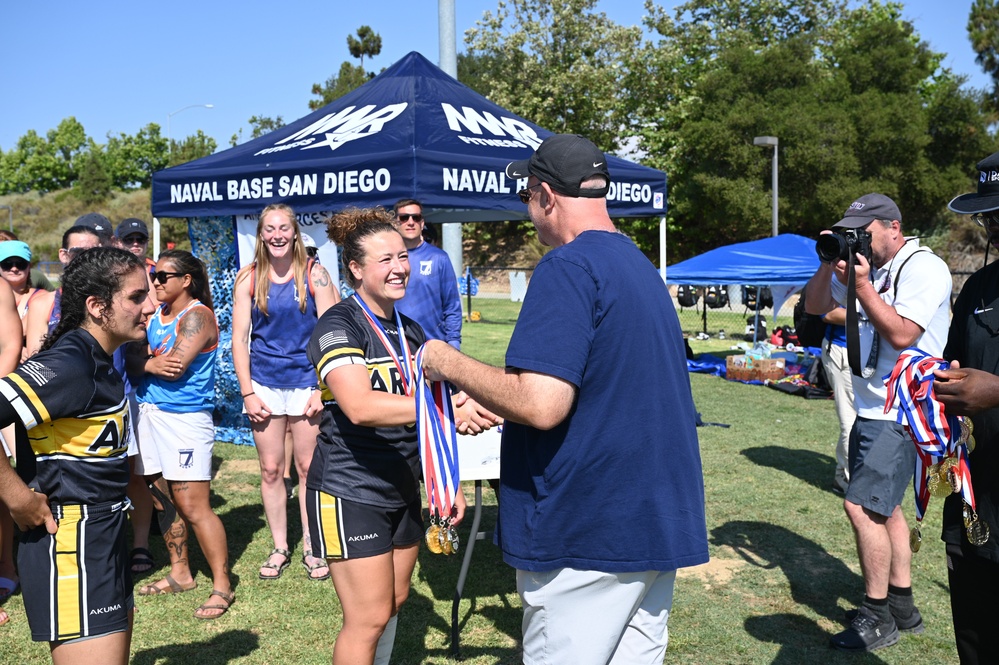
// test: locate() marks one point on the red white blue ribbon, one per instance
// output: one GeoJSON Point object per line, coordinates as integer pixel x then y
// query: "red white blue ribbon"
{"type": "Point", "coordinates": [403, 362]}
{"type": "Point", "coordinates": [935, 434]}
{"type": "Point", "coordinates": [438, 440]}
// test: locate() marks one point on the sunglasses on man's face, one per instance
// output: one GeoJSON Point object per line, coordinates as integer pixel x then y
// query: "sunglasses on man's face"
{"type": "Point", "coordinates": [416, 218]}
{"type": "Point", "coordinates": [162, 276]}
{"type": "Point", "coordinates": [525, 194]}
{"type": "Point", "coordinates": [986, 219]}
{"type": "Point", "coordinates": [9, 264]}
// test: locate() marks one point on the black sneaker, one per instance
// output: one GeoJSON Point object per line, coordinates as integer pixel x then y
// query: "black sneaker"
{"type": "Point", "coordinates": [913, 624]}
{"type": "Point", "coordinates": [289, 487]}
{"type": "Point", "coordinates": [866, 633]}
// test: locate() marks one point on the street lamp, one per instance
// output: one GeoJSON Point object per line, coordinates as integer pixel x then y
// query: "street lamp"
{"type": "Point", "coordinates": [768, 141]}
{"type": "Point", "coordinates": [170, 115]}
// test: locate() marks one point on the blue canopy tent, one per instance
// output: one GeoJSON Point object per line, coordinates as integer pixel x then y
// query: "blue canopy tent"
{"type": "Point", "coordinates": [783, 263]}
{"type": "Point", "coordinates": [411, 132]}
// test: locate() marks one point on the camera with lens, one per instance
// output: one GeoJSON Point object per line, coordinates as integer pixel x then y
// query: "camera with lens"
{"type": "Point", "coordinates": [839, 244]}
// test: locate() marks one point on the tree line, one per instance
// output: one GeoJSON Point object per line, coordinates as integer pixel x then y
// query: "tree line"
{"type": "Point", "coordinates": [858, 100]}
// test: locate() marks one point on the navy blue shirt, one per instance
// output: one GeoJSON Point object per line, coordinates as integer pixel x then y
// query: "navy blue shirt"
{"type": "Point", "coordinates": [617, 486]}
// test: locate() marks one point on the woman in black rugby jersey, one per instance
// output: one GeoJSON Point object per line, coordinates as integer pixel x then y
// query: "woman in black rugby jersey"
{"type": "Point", "coordinates": [69, 406]}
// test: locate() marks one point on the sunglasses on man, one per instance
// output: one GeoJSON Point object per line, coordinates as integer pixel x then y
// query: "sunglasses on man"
{"type": "Point", "coordinates": [14, 262]}
{"type": "Point", "coordinates": [161, 276]}
{"type": "Point", "coordinates": [416, 218]}
{"type": "Point", "coordinates": [525, 194]}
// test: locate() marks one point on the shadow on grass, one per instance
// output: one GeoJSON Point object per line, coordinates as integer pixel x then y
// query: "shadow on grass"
{"type": "Point", "coordinates": [811, 467]}
{"type": "Point", "coordinates": [222, 648]}
{"type": "Point", "coordinates": [816, 579]}
{"type": "Point", "coordinates": [488, 578]}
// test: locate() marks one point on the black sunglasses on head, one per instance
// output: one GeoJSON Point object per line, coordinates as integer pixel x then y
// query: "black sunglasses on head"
{"type": "Point", "coordinates": [416, 218]}
{"type": "Point", "coordinates": [162, 276]}
{"type": "Point", "coordinates": [14, 262]}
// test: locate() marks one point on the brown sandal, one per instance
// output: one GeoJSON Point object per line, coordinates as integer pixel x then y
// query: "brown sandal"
{"type": "Point", "coordinates": [175, 587]}
{"type": "Point", "coordinates": [229, 598]}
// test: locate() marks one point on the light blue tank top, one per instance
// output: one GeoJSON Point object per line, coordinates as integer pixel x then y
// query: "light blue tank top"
{"type": "Point", "coordinates": [195, 389]}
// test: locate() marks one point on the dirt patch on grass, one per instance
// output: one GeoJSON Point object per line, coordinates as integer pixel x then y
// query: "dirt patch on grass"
{"type": "Point", "coordinates": [719, 571]}
{"type": "Point", "coordinates": [233, 467]}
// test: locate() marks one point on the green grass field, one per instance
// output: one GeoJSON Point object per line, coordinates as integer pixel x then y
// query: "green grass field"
{"type": "Point", "coordinates": [783, 565]}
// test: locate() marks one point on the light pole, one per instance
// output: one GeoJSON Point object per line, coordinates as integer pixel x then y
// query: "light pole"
{"type": "Point", "coordinates": [768, 141]}
{"type": "Point", "coordinates": [170, 115]}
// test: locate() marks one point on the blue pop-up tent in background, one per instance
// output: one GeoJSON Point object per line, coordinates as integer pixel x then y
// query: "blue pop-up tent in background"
{"type": "Point", "coordinates": [411, 132]}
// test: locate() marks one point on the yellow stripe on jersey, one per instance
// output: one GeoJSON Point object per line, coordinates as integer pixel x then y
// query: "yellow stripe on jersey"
{"type": "Point", "coordinates": [335, 354]}
{"type": "Point", "coordinates": [66, 599]}
{"type": "Point", "coordinates": [102, 436]}
{"type": "Point", "coordinates": [36, 404]}
{"type": "Point", "coordinates": [330, 523]}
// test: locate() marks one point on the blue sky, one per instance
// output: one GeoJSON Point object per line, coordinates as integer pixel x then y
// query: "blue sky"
{"type": "Point", "coordinates": [118, 66]}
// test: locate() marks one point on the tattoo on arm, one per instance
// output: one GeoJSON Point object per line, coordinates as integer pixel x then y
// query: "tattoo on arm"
{"type": "Point", "coordinates": [191, 323]}
{"type": "Point", "coordinates": [319, 276]}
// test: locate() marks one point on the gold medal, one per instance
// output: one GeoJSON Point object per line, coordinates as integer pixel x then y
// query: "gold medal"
{"type": "Point", "coordinates": [442, 541]}
{"type": "Point", "coordinates": [971, 444]}
{"type": "Point", "coordinates": [434, 539]}
{"type": "Point", "coordinates": [977, 530]}
{"type": "Point", "coordinates": [915, 539]}
{"type": "Point", "coordinates": [936, 482]}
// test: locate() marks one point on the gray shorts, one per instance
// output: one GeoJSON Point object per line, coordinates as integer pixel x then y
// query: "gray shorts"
{"type": "Point", "coordinates": [882, 458]}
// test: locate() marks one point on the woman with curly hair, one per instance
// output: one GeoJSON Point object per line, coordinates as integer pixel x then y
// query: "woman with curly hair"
{"type": "Point", "coordinates": [176, 399]}
{"type": "Point", "coordinates": [76, 584]}
{"type": "Point", "coordinates": [363, 489]}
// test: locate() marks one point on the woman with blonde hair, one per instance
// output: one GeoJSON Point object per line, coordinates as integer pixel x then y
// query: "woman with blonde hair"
{"type": "Point", "coordinates": [276, 302]}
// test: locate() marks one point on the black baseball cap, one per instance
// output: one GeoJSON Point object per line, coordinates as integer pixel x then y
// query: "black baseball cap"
{"type": "Point", "coordinates": [564, 161]}
{"type": "Point", "coordinates": [95, 221]}
{"type": "Point", "coordinates": [866, 209]}
{"type": "Point", "coordinates": [130, 226]}
{"type": "Point", "coordinates": [986, 199]}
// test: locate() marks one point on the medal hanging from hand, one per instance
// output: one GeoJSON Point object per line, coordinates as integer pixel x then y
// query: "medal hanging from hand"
{"type": "Point", "coordinates": [942, 442]}
{"type": "Point", "coordinates": [438, 445]}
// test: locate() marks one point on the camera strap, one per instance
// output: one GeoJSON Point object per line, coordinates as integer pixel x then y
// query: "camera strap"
{"type": "Point", "coordinates": [853, 328]}
{"type": "Point", "coordinates": [853, 321]}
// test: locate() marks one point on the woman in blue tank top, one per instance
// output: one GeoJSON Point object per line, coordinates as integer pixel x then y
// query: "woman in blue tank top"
{"type": "Point", "coordinates": [176, 399]}
{"type": "Point", "coordinates": [276, 303]}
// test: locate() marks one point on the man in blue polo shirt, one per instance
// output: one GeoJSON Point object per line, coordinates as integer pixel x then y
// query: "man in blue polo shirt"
{"type": "Point", "coordinates": [601, 492]}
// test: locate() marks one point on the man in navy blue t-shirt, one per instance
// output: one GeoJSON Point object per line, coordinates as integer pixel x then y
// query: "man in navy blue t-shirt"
{"type": "Point", "coordinates": [601, 492]}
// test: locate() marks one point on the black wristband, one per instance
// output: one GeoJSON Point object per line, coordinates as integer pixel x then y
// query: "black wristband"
{"type": "Point", "coordinates": [248, 394]}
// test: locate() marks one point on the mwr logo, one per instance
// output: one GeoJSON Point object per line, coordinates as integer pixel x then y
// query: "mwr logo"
{"type": "Point", "coordinates": [105, 610]}
{"type": "Point", "coordinates": [350, 124]}
{"type": "Point", "coordinates": [989, 176]}
{"type": "Point", "coordinates": [857, 205]}
{"type": "Point", "coordinates": [520, 134]}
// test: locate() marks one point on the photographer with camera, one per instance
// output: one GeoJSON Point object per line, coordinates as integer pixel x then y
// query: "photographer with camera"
{"type": "Point", "coordinates": [896, 294]}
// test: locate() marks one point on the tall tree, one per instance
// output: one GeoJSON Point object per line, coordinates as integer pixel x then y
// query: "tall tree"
{"type": "Point", "coordinates": [983, 30]}
{"type": "Point", "coordinates": [351, 76]}
{"type": "Point", "coordinates": [94, 185]}
{"type": "Point", "coordinates": [131, 160]}
{"type": "Point", "coordinates": [193, 147]}
{"type": "Point", "coordinates": [858, 102]}
{"type": "Point", "coordinates": [367, 43]}
{"type": "Point", "coordinates": [558, 63]}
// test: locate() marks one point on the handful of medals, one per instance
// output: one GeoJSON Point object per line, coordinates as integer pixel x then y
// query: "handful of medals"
{"type": "Point", "coordinates": [438, 445]}
{"type": "Point", "coordinates": [442, 537]}
{"type": "Point", "coordinates": [943, 442]}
